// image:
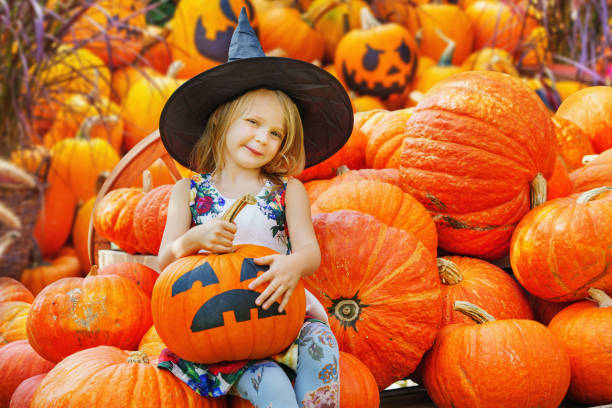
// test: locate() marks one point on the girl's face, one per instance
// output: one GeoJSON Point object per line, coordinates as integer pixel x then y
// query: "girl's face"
{"type": "Point", "coordinates": [255, 136]}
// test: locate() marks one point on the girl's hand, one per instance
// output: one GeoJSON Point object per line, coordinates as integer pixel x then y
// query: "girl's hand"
{"type": "Point", "coordinates": [215, 236]}
{"type": "Point", "coordinates": [283, 276]}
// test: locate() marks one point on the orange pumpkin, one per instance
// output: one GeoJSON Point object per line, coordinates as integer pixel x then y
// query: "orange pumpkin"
{"type": "Point", "coordinates": [23, 394]}
{"type": "Point", "coordinates": [80, 234]}
{"type": "Point", "coordinates": [491, 59]}
{"type": "Point", "coordinates": [151, 343]}
{"type": "Point", "coordinates": [467, 364]}
{"type": "Point", "coordinates": [559, 184]}
{"type": "Point", "coordinates": [13, 317]}
{"type": "Point", "coordinates": [596, 173]}
{"type": "Point", "coordinates": [109, 377]}
{"type": "Point", "coordinates": [44, 272]}
{"type": "Point", "coordinates": [160, 175]}
{"type": "Point", "coordinates": [18, 362]}
{"type": "Point", "coordinates": [378, 59]}
{"type": "Point", "coordinates": [12, 290]}
{"type": "Point", "coordinates": [475, 146]}
{"type": "Point", "coordinates": [585, 328]}
{"type": "Point", "coordinates": [384, 132]}
{"type": "Point", "coordinates": [385, 202]}
{"type": "Point", "coordinates": [562, 248]}
{"type": "Point", "coordinates": [150, 218]}
{"type": "Point", "coordinates": [216, 319]}
{"type": "Point", "coordinates": [590, 108]}
{"type": "Point", "coordinates": [479, 282]}
{"type": "Point", "coordinates": [123, 78]}
{"type": "Point", "coordinates": [143, 276]}
{"type": "Point", "coordinates": [426, 78]}
{"type": "Point", "coordinates": [73, 314]}
{"type": "Point", "coordinates": [573, 143]}
{"type": "Point", "coordinates": [381, 292]}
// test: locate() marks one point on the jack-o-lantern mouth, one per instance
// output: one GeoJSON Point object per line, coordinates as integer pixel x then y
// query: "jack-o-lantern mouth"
{"type": "Point", "coordinates": [377, 88]}
{"type": "Point", "coordinates": [239, 301]}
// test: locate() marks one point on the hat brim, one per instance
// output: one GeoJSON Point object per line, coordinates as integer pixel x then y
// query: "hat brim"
{"type": "Point", "coordinates": [325, 108]}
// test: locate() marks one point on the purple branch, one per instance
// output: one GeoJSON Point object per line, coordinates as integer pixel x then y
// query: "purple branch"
{"type": "Point", "coordinates": [38, 28]}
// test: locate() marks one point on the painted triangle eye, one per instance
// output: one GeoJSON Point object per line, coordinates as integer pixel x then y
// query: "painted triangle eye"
{"type": "Point", "coordinates": [203, 274]}
{"type": "Point", "coordinates": [370, 59]}
{"type": "Point", "coordinates": [249, 269]}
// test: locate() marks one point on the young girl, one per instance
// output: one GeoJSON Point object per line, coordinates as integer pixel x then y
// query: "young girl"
{"type": "Point", "coordinates": [249, 136]}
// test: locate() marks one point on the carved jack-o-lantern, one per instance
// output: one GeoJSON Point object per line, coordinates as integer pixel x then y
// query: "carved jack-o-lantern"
{"type": "Point", "coordinates": [204, 311]}
{"type": "Point", "coordinates": [202, 30]}
{"type": "Point", "coordinates": [378, 60]}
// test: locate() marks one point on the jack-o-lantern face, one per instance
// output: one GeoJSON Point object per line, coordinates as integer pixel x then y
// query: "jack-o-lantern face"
{"type": "Point", "coordinates": [202, 31]}
{"type": "Point", "coordinates": [379, 61]}
{"type": "Point", "coordinates": [204, 311]}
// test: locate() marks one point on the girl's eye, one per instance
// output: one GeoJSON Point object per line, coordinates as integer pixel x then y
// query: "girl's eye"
{"type": "Point", "coordinates": [253, 121]}
{"type": "Point", "coordinates": [277, 134]}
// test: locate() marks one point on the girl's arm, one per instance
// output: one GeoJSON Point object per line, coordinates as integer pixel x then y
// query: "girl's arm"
{"type": "Point", "coordinates": [180, 239]}
{"type": "Point", "coordinates": [286, 270]}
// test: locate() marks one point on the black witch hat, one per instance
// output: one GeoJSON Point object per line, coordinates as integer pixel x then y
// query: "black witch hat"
{"type": "Point", "coordinates": [324, 106]}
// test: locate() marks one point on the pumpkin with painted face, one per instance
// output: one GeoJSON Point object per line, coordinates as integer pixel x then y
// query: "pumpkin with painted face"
{"type": "Point", "coordinates": [202, 30]}
{"type": "Point", "coordinates": [378, 59]}
{"type": "Point", "coordinates": [204, 312]}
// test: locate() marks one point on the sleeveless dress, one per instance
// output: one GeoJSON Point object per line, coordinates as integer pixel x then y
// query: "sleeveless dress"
{"type": "Point", "coordinates": [264, 224]}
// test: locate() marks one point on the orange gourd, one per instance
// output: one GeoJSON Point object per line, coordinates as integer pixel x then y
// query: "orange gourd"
{"type": "Point", "coordinates": [150, 218]}
{"type": "Point", "coordinates": [12, 290]}
{"type": "Point", "coordinates": [385, 132]}
{"type": "Point", "coordinates": [585, 329]}
{"type": "Point", "coordinates": [43, 272]}
{"type": "Point", "coordinates": [562, 248]}
{"type": "Point", "coordinates": [80, 234]}
{"type": "Point", "coordinates": [381, 292]}
{"type": "Point", "coordinates": [13, 317]}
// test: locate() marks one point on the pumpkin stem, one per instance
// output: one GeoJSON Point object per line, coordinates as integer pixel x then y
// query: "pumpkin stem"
{"type": "Point", "coordinates": [600, 297]}
{"type": "Point", "coordinates": [342, 170]}
{"type": "Point", "coordinates": [589, 195]}
{"type": "Point", "coordinates": [138, 357]}
{"type": "Point", "coordinates": [88, 123]}
{"type": "Point", "coordinates": [318, 10]}
{"type": "Point", "coordinates": [449, 271]}
{"type": "Point", "coordinates": [447, 55]}
{"type": "Point", "coordinates": [368, 21]}
{"type": "Point", "coordinates": [147, 181]}
{"type": "Point", "coordinates": [587, 158]}
{"type": "Point", "coordinates": [93, 271]}
{"type": "Point", "coordinates": [174, 68]}
{"type": "Point", "coordinates": [538, 190]}
{"type": "Point", "coordinates": [347, 311]}
{"type": "Point", "coordinates": [238, 205]}
{"type": "Point", "coordinates": [473, 312]}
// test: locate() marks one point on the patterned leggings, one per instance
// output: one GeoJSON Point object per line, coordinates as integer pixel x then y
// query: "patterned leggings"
{"type": "Point", "coordinates": [266, 385]}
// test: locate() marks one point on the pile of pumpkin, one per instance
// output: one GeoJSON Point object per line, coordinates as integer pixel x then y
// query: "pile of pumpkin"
{"type": "Point", "coordinates": [479, 168]}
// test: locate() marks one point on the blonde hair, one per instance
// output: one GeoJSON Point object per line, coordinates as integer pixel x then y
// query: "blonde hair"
{"type": "Point", "coordinates": [207, 154]}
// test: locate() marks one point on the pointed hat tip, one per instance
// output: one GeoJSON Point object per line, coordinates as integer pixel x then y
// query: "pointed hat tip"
{"type": "Point", "coordinates": [244, 43]}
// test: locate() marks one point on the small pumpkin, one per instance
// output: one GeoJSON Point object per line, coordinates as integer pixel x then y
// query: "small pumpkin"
{"type": "Point", "coordinates": [150, 218]}
{"type": "Point", "coordinates": [491, 59]}
{"type": "Point", "coordinates": [73, 314]}
{"type": "Point", "coordinates": [562, 248]}
{"type": "Point", "coordinates": [385, 132]}
{"type": "Point", "coordinates": [596, 173]}
{"type": "Point", "coordinates": [124, 77]}
{"type": "Point", "coordinates": [506, 350]}
{"type": "Point", "coordinates": [573, 143]}
{"type": "Point", "coordinates": [13, 317]}
{"type": "Point", "coordinates": [585, 328]}
{"type": "Point", "coordinates": [428, 77]}
{"type": "Point", "coordinates": [151, 343]}
{"type": "Point", "coordinates": [43, 272]}
{"type": "Point", "coordinates": [23, 394]}
{"type": "Point", "coordinates": [18, 362]}
{"type": "Point", "coordinates": [143, 276]}
{"type": "Point", "coordinates": [381, 292]}
{"type": "Point", "coordinates": [80, 234]}
{"type": "Point", "coordinates": [109, 377]}
{"type": "Point", "coordinates": [13, 290]}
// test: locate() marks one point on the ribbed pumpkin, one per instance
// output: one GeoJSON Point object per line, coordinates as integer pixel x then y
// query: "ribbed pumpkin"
{"type": "Point", "coordinates": [427, 77]}
{"type": "Point", "coordinates": [13, 316]}
{"type": "Point", "coordinates": [585, 328]}
{"type": "Point", "coordinates": [109, 377]}
{"type": "Point", "coordinates": [562, 248]}
{"type": "Point", "coordinates": [43, 272]}
{"type": "Point", "coordinates": [150, 218]}
{"type": "Point", "coordinates": [590, 108]}
{"type": "Point", "coordinates": [151, 343]}
{"type": "Point", "coordinates": [315, 188]}
{"type": "Point", "coordinates": [18, 362]}
{"type": "Point", "coordinates": [23, 394]}
{"type": "Point", "coordinates": [204, 312]}
{"type": "Point", "coordinates": [559, 183]}
{"type": "Point", "coordinates": [124, 77]}
{"type": "Point", "coordinates": [596, 173]}
{"type": "Point", "coordinates": [12, 290]}
{"type": "Point", "coordinates": [73, 314]}
{"type": "Point", "coordinates": [385, 132]}
{"type": "Point", "coordinates": [377, 59]}
{"type": "Point", "coordinates": [482, 283]}
{"type": "Point", "coordinates": [143, 276]}
{"type": "Point", "coordinates": [386, 202]}
{"type": "Point", "coordinates": [113, 217]}
{"type": "Point", "coordinates": [573, 143]}
{"type": "Point", "coordinates": [472, 149]}
{"type": "Point", "coordinates": [507, 363]}
{"type": "Point", "coordinates": [381, 290]}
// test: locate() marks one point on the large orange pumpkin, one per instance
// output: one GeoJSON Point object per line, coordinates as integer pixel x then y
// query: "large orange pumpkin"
{"type": "Point", "coordinates": [469, 363]}
{"type": "Point", "coordinates": [43, 272]}
{"type": "Point", "coordinates": [596, 173]}
{"type": "Point", "coordinates": [474, 147]}
{"type": "Point", "coordinates": [585, 328]}
{"type": "Point", "coordinates": [562, 248]}
{"type": "Point", "coordinates": [381, 290]}
{"type": "Point", "coordinates": [150, 218]}
{"type": "Point", "coordinates": [482, 283]}
{"type": "Point", "coordinates": [73, 314]}
{"type": "Point", "coordinates": [590, 108]}
{"type": "Point", "coordinates": [384, 201]}
{"type": "Point", "coordinates": [18, 361]}
{"type": "Point", "coordinates": [109, 377]}
{"type": "Point", "coordinates": [143, 276]}
{"type": "Point", "coordinates": [13, 316]}
{"type": "Point", "coordinates": [204, 312]}
{"type": "Point", "coordinates": [13, 290]}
